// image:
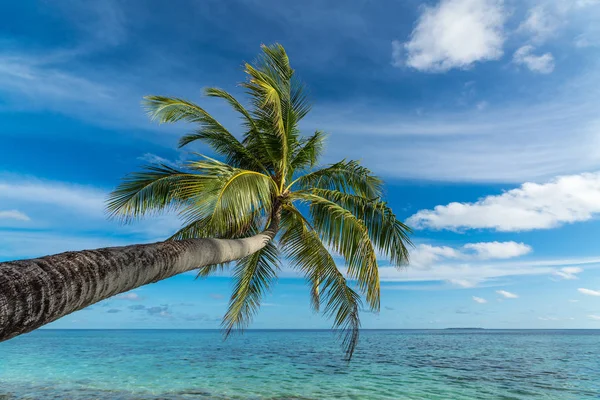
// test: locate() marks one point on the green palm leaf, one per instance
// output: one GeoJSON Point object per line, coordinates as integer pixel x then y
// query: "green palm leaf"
{"type": "Point", "coordinates": [157, 188]}
{"type": "Point", "coordinates": [387, 233]}
{"type": "Point", "coordinates": [253, 277]}
{"type": "Point", "coordinates": [303, 247]}
{"type": "Point", "coordinates": [308, 152]}
{"type": "Point", "coordinates": [345, 176]}
{"type": "Point", "coordinates": [348, 236]}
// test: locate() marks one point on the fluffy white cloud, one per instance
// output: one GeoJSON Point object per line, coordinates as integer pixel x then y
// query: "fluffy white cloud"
{"type": "Point", "coordinates": [455, 34]}
{"type": "Point", "coordinates": [594, 317]}
{"type": "Point", "coordinates": [569, 272]}
{"type": "Point", "coordinates": [544, 64]}
{"type": "Point", "coordinates": [425, 255]}
{"type": "Point", "coordinates": [566, 199]}
{"type": "Point", "coordinates": [498, 250]}
{"type": "Point", "coordinates": [506, 294]}
{"type": "Point", "coordinates": [14, 214]}
{"type": "Point", "coordinates": [589, 292]}
{"type": "Point", "coordinates": [479, 300]}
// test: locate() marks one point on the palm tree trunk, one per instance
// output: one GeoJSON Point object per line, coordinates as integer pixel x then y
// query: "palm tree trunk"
{"type": "Point", "coordinates": [38, 291]}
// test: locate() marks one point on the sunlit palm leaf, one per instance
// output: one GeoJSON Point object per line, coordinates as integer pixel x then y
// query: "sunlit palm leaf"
{"type": "Point", "coordinates": [308, 152]}
{"type": "Point", "coordinates": [348, 236]}
{"type": "Point", "coordinates": [345, 176]}
{"type": "Point", "coordinates": [303, 247]}
{"type": "Point", "coordinates": [387, 233]}
{"type": "Point", "coordinates": [253, 277]}
{"type": "Point", "coordinates": [157, 188]}
{"type": "Point", "coordinates": [233, 200]}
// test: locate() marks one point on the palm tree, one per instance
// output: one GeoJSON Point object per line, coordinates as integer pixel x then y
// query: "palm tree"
{"type": "Point", "coordinates": [265, 200]}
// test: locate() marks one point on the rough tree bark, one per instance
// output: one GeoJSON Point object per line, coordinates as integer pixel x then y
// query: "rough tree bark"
{"type": "Point", "coordinates": [38, 291]}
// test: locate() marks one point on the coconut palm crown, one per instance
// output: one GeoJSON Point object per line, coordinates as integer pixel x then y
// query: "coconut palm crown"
{"type": "Point", "coordinates": [270, 181]}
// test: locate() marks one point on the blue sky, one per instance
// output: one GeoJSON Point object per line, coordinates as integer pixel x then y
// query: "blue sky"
{"type": "Point", "coordinates": [481, 115]}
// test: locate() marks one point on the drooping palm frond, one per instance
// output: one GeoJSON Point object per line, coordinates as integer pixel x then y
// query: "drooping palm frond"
{"type": "Point", "coordinates": [253, 277]}
{"type": "Point", "coordinates": [305, 250]}
{"type": "Point", "coordinates": [347, 235]}
{"type": "Point", "coordinates": [388, 234]}
{"type": "Point", "coordinates": [345, 176]}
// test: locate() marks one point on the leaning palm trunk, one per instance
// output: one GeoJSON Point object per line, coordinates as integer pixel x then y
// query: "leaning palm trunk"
{"type": "Point", "coordinates": [41, 290]}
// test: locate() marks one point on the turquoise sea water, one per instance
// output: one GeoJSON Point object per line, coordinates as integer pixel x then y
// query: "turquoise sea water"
{"type": "Point", "coordinates": [52, 364]}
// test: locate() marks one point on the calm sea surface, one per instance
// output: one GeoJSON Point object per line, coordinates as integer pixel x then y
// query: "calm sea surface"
{"type": "Point", "coordinates": [49, 364]}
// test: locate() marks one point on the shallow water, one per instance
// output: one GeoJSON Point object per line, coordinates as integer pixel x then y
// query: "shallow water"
{"type": "Point", "coordinates": [155, 364]}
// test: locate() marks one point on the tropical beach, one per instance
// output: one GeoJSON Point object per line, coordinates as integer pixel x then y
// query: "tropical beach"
{"type": "Point", "coordinates": [201, 202]}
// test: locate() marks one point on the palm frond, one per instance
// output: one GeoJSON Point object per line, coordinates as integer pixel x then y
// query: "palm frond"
{"type": "Point", "coordinates": [305, 250]}
{"type": "Point", "coordinates": [345, 176]}
{"type": "Point", "coordinates": [253, 277]}
{"type": "Point", "coordinates": [235, 198]}
{"type": "Point", "coordinates": [308, 152]}
{"type": "Point", "coordinates": [220, 93]}
{"type": "Point", "coordinates": [173, 109]}
{"type": "Point", "coordinates": [388, 234]}
{"type": "Point", "coordinates": [226, 145]}
{"type": "Point", "coordinates": [155, 189]}
{"type": "Point", "coordinates": [348, 236]}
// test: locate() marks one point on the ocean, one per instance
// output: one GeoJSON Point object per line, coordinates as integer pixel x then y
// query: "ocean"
{"type": "Point", "coordinates": [388, 364]}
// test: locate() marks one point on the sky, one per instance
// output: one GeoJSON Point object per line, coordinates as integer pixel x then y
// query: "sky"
{"type": "Point", "coordinates": [482, 117]}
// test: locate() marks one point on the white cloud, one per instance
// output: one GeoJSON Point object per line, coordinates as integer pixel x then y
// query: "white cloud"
{"type": "Point", "coordinates": [589, 292]}
{"type": "Point", "coordinates": [569, 273]}
{"type": "Point", "coordinates": [129, 296]}
{"type": "Point", "coordinates": [544, 64]}
{"type": "Point", "coordinates": [479, 300]}
{"type": "Point", "coordinates": [498, 250]}
{"type": "Point", "coordinates": [573, 301]}
{"type": "Point", "coordinates": [594, 317]}
{"type": "Point", "coordinates": [455, 34]}
{"type": "Point", "coordinates": [549, 319]}
{"type": "Point", "coordinates": [464, 283]}
{"type": "Point", "coordinates": [425, 255]}
{"type": "Point", "coordinates": [506, 294]}
{"type": "Point", "coordinates": [566, 199]}
{"type": "Point", "coordinates": [14, 214]}
{"type": "Point", "coordinates": [541, 23]}
{"type": "Point", "coordinates": [69, 196]}
{"type": "Point", "coordinates": [397, 53]}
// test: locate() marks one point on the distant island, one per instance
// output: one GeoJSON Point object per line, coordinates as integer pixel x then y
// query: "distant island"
{"type": "Point", "coordinates": [465, 329]}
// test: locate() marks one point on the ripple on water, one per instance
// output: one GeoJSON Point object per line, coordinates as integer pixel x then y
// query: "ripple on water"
{"type": "Point", "coordinates": [415, 365]}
